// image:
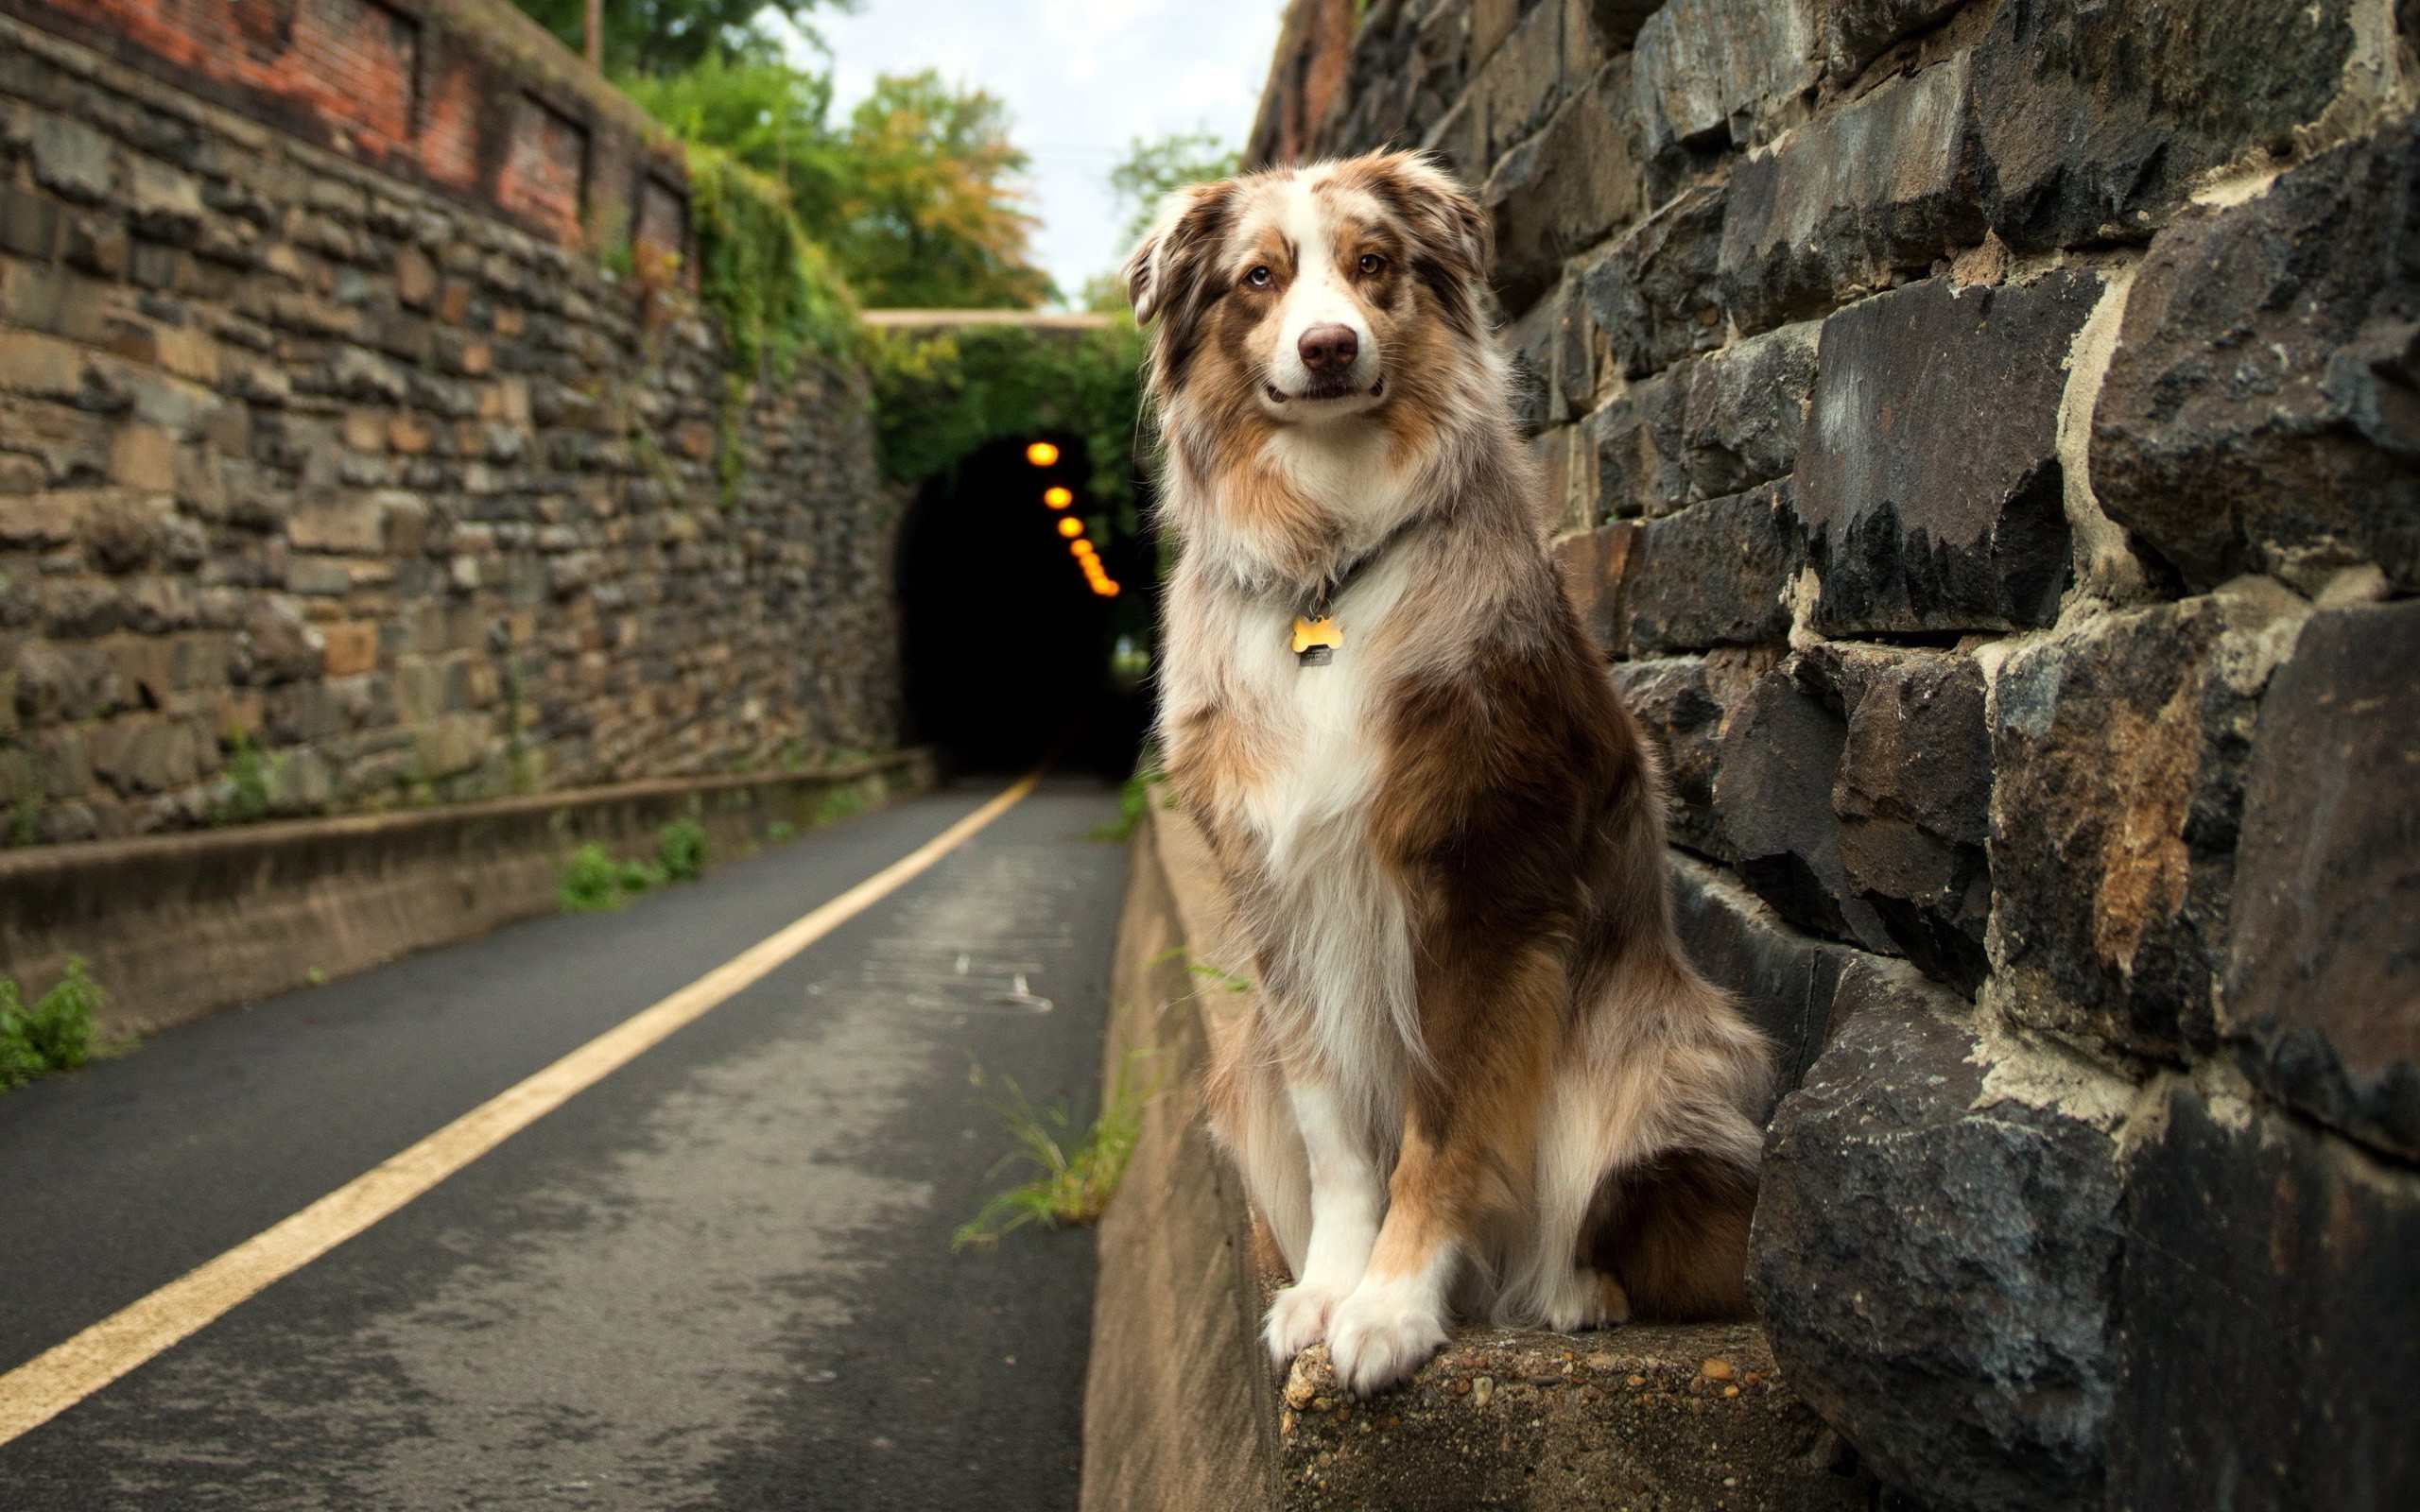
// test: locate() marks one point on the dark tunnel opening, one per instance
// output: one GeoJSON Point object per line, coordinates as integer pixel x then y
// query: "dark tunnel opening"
{"type": "Point", "coordinates": [1005, 642]}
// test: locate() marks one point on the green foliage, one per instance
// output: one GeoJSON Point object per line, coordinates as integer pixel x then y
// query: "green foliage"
{"type": "Point", "coordinates": [1076, 1173]}
{"type": "Point", "coordinates": [1154, 166]}
{"type": "Point", "coordinates": [774, 289]}
{"type": "Point", "coordinates": [914, 199]}
{"type": "Point", "coordinates": [681, 851]}
{"type": "Point", "coordinates": [595, 883]}
{"type": "Point", "coordinates": [56, 1035]}
{"type": "Point", "coordinates": [930, 214]}
{"type": "Point", "coordinates": [781, 830]}
{"type": "Point", "coordinates": [1133, 799]}
{"type": "Point", "coordinates": [248, 782]}
{"type": "Point", "coordinates": [663, 36]}
{"type": "Point", "coordinates": [839, 802]}
{"type": "Point", "coordinates": [940, 395]}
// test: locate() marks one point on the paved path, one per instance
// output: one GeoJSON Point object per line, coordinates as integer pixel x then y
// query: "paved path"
{"type": "Point", "coordinates": [721, 1278]}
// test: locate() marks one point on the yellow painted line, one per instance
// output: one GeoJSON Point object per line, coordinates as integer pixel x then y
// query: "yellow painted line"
{"type": "Point", "coordinates": [51, 1383]}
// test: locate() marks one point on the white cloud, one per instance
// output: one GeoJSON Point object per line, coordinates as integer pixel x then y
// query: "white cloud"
{"type": "Point", "coordinates": [1081, 78]}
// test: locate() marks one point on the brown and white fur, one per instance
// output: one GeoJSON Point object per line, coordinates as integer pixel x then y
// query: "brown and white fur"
{"type": "Point", "coordinates": [1481, 1075]}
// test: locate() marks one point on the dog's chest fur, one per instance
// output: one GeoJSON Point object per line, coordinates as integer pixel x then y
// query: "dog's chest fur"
{"type": "Point", "coordinates": [1330, 918]}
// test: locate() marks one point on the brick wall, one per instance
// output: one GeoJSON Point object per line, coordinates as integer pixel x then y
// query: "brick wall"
{"type": "Point", "coordinates": [1983, 433]}
{"type": "Point", "coordinates": [333, 480]}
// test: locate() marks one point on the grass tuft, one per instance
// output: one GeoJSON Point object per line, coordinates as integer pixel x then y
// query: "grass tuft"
{"type": "Point", "coordinates": [55, 1034]}
{"type": "Point", "coordinates": [844, 801]}
{"type": "Point", "coordinates": [681, 851]}
{"type": "Point", "coordinates": [1133, 799]}
{"type": "Point", "coordinates": [1076, 1173]}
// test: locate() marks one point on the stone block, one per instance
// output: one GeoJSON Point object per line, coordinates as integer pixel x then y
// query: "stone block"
{"type": "Point", "coordinates": [341, 522]}
{"type": "Point", "coordinates": [1716, 572]}
{"type": "Point", "coordinates": [1936, 1251]}
{"type": "Point", "coordinates": [1876, 187]}
{"type": "Point", "coordinates": [1558, 192]}
{"type": "Point", "coordinates": [2262, 409]}
{"type": "Point", "coordinates": [2118, 755]}
{"type": "Point", "coordinates": [1779, 761]}
{"type": "Point", "coordinates": [2093, 117]}
{"type": "Point", "coordinates": [415, 278]}
{"type": "Point", "coordinates": [1641, 462]}
{"type": "Point", "coordinates": [1711, 70]}
{"type": "Point", "coordinates": [28, 222]}
{"type": "Point", "coordinates": [1928, 475]}
{"type": "Point", "coordinates": [1597, 567]}
{"type": "Point", "coordinates": [141, 753]}
{"type": "Point", "coordinates": [2265, 1358]}
{"type": "Point", "coordinates": [142, 457]}
{"type": "Point", "coordinates": [59, 684]}
{"type": "Point", "coordinates": [119, 533]}
{"type": "Point", "coordinates": [1745, 409]}
{"type": "Point", "coordinates": [1788, 983]}
{"type": "Point", "coordinates": [1521, 82]}
{"type": "Point", "coordinates": [164, 203]}
{"type": "Point", "coordinates": [1657, 293]}
{"type": "Point", "coordinates": [1683, 704]}
{"type": "Point", "coordinates": [351, 648]}
{"type": "Point", "coordinates": [2323, 977]}
{"type": "Point", "coordinates": [71, 158]}
{"type": "Point", "coordinates": [1858, 31]}
{"type": "Point", "coordinates": [40, 366]}
{"type": "Point", "coordinates": [1915, 803]}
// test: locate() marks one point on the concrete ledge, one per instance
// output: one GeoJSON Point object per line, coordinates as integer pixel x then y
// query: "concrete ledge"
{"type": "Point", "coordinates": [177, 926]}
{"type": "Point", "coordinates": [1182, 1411]}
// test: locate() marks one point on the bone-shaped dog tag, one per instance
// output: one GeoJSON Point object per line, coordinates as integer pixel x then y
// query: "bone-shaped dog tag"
{"type": "Point", "coordinates": [1316, 639]}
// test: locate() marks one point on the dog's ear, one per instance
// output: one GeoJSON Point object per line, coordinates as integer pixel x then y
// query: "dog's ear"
{"type": "Point", "coordinates": [1446, 220]}
{"type": "Point", "coordinates": [1175, 250]}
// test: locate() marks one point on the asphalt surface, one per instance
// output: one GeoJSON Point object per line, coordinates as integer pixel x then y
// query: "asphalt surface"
{"type": "Point", "coordinates": [720, 1279]}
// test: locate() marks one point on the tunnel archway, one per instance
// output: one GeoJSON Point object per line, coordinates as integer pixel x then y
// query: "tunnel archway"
{"type": "Point", "coordinates": [1005, 642]}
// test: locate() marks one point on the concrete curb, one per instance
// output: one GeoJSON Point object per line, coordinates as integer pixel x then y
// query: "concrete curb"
{"type": "Point", "coordinates": [1182, 1413]}
{"type": "Point", "coordinates": [181, 925]}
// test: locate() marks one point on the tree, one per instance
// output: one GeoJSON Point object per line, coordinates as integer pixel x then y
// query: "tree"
{"type": "Point", "coordinates": [1154, 166]}
{"type": "Point", "coordinates": [930, 215]}
{"type": "Point", "coordinates": [666, 35]}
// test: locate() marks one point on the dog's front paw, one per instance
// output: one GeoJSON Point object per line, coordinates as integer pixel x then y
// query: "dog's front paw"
{"type": "Point", "coordinates": [1299, 1319]}
{"type": "Point", "coordinates": [1381, 1334]}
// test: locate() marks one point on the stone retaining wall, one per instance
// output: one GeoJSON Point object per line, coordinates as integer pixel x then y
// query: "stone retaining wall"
{"type": "Point", "coordinates": [1983, 434]}
{"type": "Point", "coordinates": [337, 471]}
{"type": "Point", "coordinates": [175, 926]}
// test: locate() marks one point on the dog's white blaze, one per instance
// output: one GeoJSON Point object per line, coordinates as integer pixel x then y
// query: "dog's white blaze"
{"type": "Point", "coordinates": [1319, 295]}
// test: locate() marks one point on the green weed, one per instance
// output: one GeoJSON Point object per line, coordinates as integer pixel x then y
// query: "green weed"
{"type": "Point", "coordinates": [839, 803]}
{"type": "Point", "coordinates": [1076, 1173]}
{"type": "Point", "coordinates": [681, 851]}
{"type": "Point", "coordinates": [1133, 799]}
{"type": "Point", "coordinates": [594, 882]}
{"type": "Point", "coordinates": [56, 1035]}
{"type": "Point", "coordinates": [247, 777]}
{"type": "Point", "coordinates": [780, 831]}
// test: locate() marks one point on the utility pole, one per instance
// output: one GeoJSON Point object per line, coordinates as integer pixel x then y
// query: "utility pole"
{"type": "Point", "coordinates": [597, 35]}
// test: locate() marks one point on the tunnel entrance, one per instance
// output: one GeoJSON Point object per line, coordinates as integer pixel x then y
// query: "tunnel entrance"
{"type": "Point", "coordinates": [1005, 641]}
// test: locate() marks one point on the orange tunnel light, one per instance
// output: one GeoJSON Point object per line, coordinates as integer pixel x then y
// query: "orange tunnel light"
{"type": "Point", "coordinates": [1058, 498]}
{"type": "Point", "coordinates": [1041, 454]}
{"type": "Point", "coordinates": [1071, 527]}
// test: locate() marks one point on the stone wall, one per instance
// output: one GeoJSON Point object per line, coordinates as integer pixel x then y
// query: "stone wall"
{"type": "Point", "coordinates": [1986, 435]}
{"type": "Point", "coordinates": [329, 482]}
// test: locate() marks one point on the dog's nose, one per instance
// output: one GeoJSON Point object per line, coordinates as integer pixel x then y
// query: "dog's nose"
{"type": "Point", "coordinates": [1329, 348]}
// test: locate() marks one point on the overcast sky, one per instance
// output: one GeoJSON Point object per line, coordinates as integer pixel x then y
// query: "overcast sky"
{"type": "Point", "coordinates": [1081, 78]}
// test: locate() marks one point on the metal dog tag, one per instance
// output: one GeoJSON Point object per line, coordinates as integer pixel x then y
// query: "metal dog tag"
{"type": "Point", "coordinates": [1316, 639]}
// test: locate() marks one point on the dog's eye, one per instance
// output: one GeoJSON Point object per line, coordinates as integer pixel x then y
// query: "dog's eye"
{"type": "Point", "coordinates": [1372, 262]}
{"type": "Point", "coordinates": [1259, 278]}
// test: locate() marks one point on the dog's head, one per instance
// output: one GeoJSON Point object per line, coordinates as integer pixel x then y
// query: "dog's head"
{"type": "Point", "coordinates": [1311, 293]}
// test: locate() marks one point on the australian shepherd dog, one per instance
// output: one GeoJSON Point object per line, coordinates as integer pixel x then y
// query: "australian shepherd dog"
{"type": "Point", "coordinates": [1480, 1076]}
